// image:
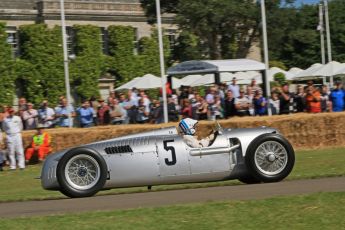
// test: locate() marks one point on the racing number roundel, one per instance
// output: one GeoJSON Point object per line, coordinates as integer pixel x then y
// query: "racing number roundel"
{"type": "Point", "coordinates": [173, 153]}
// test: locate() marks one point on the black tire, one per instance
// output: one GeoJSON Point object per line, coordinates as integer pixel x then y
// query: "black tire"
{"type": "Point", "coordinates": [90, 166]}
{"type": "Point", "coordinates": [275, 145]}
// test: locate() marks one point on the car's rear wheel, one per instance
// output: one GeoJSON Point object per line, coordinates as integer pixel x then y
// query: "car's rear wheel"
{"type": "Point", "coordinates": [81, 172]}
{"type": "Point", "coordinates": [270, 158]}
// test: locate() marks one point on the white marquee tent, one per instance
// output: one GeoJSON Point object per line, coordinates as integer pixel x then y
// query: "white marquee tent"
{"type": "Point", "coordinates": [329, 69]}
{"type": "Point", "coordinates": [306, 74]}
{"type": "Point", "coordinates": [294, 71]}
{"type": "Point", "coordinates": [274, 70]}
{"type": "Point", "coordinates": [215, 66]}
{"type": "Point", "coordinates": [148, 81]}
{"type": "Point", "coordinates": [128, 85]}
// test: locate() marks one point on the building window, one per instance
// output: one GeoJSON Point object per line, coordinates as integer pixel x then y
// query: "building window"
{"type": "Point", "coordinates": [136, 41]}
{"type": "Point", "coordinates": [12, 40]}
{"type": "Point", "coordinates": [171, 34]}
{"type": "Point", "coordinates": [104, 40]}
{"type": "Point", "coordinates": [70, 32]}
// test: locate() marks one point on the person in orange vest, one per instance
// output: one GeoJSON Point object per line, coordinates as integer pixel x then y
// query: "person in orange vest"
{"type": "Point", "coordinates": [313, 99]}
{"type": "Point", "coordinates": [40, 145]}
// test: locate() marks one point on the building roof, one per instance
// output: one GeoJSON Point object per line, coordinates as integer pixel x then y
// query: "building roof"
{"type": "Point", "coordinates": [31, 4]}
{"type": "Point", "coordinates": [215, 66]}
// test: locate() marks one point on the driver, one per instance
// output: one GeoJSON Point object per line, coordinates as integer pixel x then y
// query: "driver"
{"type": "Point", "coordinates": [188, 128]}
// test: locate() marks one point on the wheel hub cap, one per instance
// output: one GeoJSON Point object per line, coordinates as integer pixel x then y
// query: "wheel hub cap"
{"type": "Point", "coordinates": [271, 157]}
{"type": "Point", "coordinates": [82, 172]}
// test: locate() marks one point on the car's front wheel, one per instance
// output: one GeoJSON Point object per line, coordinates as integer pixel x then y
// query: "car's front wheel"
{"type": "Point", "coordinates": [81, 172]}
{"type": "Point", "coordinates": [270, 158]}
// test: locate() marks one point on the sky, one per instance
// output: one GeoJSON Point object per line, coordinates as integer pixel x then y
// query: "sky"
{"type": "Point", "coordinates": [298, 2]}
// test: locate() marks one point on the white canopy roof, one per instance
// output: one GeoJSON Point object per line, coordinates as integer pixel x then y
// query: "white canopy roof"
{"type": "Point", "coordinates": [330, 69]}
{"type": "Point", "coordinates": [227, 77]}
{"type": "Point", "coordinates": [340, 71]}
{"type": "Point", "coordinates": [307, 74]}
{"type": "Point", "coordinates": [295, 70]}
{"type": "Point", "coordinates": [128, 85]}
{"type": "Point", "coordinates": [206, 79]}
{"type": "Point", "coordinates": [176, 83]}
{"type": "Point", "coordinates": [274, 70]}
{"type": "Point", "coordinates": [214, 66]}
{"type": "Point", "coordinates": [147, 81]}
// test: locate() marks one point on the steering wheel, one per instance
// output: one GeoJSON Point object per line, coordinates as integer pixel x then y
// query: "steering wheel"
{"type": "Point", "coordinates": [216, 133]}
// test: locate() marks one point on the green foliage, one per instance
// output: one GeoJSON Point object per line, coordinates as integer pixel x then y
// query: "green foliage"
{"type": "Point", "coordinates": [169, 6]}
{"type": "Point", "coordinates": [292, 35]}
{"type": "Point", "coordinates": [29, 78]}
{"type": "Point", "coordinates": [188, 47]}
{"type": "Point", "coordinates": [337, 27]}
{"type": "Point", "coordinates": [7, 69]}
{"type": "Point", "coordinates": [278, 64]}
{"type": "Point", "coordinates": [219, 23]}
{"type": "Point", "coordinates": [89, 64]}
{"type": "Point", "coordinates": [121, 49]}
{"type": "Point", "coordinates": [149, 53]}
{"type": "Point", "coordinates": [223, 28]}
{"type": "Point", "coordinates": [309, 211]}
{"type": "Point", "coordinates": [280, 78]}
{"type": "Point", "coordinates": [42, 66]}
{"type": "Point", "coordinates": [125, 62]}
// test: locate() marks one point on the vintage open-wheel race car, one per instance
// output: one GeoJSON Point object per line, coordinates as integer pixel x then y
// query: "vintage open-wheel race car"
{"type": "Point", "coordinates": [251, 155]}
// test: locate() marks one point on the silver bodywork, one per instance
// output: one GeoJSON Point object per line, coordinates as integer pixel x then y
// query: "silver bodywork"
{"type": "Point", "coordinates": [162, 157]}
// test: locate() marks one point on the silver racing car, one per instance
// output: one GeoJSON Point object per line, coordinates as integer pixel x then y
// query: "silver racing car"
{"type": "Point", "coordinates": [253, 155]}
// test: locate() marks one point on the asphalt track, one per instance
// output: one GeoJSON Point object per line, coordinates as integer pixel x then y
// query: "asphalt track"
{"type": "Point", "coordinates": [156, 199]}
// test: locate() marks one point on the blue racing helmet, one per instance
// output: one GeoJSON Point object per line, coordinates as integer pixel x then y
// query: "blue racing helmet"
{"type": "Point", "coordinates": [187, 126]}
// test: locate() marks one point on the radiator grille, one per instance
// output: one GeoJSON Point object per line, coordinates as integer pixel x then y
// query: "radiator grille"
{"type": "Point", "coordinates": [118, 149]}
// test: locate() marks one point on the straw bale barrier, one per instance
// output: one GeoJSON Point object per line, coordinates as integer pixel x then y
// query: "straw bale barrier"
{"type": "Point", "coordinates": [302, 130]}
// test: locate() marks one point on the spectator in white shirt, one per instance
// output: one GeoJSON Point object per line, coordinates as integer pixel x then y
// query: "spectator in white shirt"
{"type": "Point", "coordinates": [234, 88]}
{"type": "Point", "coordinates": [46, 115]}
{"type": "Point", "coordinates": [30, 117]}
{"type": "Point", "coordinates": [242, 104]}
{"type": "Point", "coordinates": [13, 126]}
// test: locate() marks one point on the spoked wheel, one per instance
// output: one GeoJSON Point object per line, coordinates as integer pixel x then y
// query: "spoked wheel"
{"type": "Point", "coordinates": [270, 158]}
{"type": "Point", "coordinates": [81, 172]}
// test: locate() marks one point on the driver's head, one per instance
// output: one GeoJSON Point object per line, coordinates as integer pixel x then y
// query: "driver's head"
{"type": "Point", "coordinates": [188, 126]}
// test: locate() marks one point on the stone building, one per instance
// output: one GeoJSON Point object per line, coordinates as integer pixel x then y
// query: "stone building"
{"type": "Point", "coordinates": [101, 13]}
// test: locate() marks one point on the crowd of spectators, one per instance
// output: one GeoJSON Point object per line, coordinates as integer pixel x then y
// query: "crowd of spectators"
{"type": "Point", "coordinates": [136, 107]}
{"type": "Point", "coordinates": [217, 102]}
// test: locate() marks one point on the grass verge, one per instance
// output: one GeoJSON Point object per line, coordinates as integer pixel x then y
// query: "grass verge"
{"type": "Point", "coordinates": [317, 211]}
{"type": "Point", "coordinates": [21, 185]}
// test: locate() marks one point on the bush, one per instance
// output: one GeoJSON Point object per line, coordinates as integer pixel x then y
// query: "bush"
{"type": "Point", "coordinates": [7, 69]}
{"type": "Point", "coordinates": [42, 67]}
{"type": "Point", "coordinates": [89, 64]}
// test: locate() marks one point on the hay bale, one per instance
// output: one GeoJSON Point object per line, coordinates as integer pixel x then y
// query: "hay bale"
{"type": "Point", "coordinates": [302, 130]}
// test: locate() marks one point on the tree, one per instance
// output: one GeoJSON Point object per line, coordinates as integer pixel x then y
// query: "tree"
{"type": "Point", "coordinates": [225, 28]}
{"type": "Point", "coordinates": [167, 6]}
{"type": "Point", "coordinates": [188, 47]}
{"type": "Point", "coordinates": [219, 23]}
{"type": "Point", "coordinates": [337, 29]}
